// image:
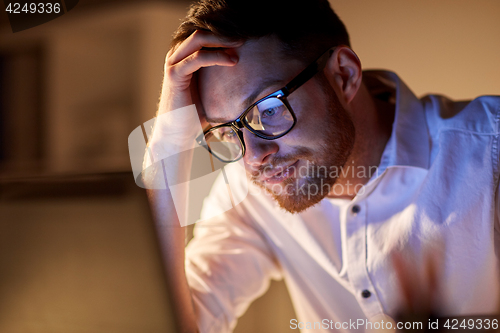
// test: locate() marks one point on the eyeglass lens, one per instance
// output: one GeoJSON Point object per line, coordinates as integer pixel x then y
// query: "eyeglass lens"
{"type": "Point", "coordinates": [224, 143]}
{"type": "Point", "coordinates": [270, 117]}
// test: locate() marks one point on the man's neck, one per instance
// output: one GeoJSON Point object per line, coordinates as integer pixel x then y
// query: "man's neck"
{"type": "Point", "coordinates": [373, 120]}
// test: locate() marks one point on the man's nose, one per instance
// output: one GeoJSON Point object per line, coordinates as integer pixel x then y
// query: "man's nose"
{"type": "Point", "coordinates": [258, 150]}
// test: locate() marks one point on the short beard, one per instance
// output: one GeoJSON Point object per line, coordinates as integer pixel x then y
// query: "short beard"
{"type": "Point", "coordinates": [334, 150]}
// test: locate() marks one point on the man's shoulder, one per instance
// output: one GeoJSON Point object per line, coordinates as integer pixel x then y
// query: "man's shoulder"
{"type": "Point", "coordinates": [480, 115]}
{"type": "Point", "coordinates": [464, 134]}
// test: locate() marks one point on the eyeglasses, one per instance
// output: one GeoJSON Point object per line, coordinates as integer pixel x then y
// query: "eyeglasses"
{"type": "Point", "coordinates": [269, 118]}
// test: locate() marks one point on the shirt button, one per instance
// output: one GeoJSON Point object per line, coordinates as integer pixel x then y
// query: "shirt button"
{"type": "Point", "coordinates": [366, 293]}
{"type": "Point", "coordinates": [355, 209]}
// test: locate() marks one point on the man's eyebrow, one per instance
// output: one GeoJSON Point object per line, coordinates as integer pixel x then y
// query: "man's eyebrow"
{"type": "Point", "coordinates": [250, 99]}
{"type": "Point", "coordinates": [263, 85]}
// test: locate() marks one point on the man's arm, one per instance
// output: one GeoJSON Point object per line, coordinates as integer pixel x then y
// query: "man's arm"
{"type": "Point", "coordinates": [177, 92]}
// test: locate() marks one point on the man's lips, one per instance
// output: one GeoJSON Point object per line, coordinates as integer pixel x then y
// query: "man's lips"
{"type": "Point", "coordinates": [279, 174]}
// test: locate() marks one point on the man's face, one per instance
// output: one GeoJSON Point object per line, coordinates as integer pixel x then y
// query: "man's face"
{"type": "Point", "coordinates": [296, 168]}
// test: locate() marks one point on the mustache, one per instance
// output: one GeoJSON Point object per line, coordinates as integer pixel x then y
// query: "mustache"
{"type": "Point", "coordinates": [299, 153]}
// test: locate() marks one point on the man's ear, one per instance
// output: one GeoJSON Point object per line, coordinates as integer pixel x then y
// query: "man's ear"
{"type": "Point", "coordinates": [344, 71]}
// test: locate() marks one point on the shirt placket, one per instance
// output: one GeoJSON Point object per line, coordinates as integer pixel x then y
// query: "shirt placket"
{"type": "Point", "coordinates": [356, 240]}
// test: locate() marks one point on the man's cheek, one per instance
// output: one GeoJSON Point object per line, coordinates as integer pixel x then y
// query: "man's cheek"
{"type": "Point", "coordinates": [303, 133]}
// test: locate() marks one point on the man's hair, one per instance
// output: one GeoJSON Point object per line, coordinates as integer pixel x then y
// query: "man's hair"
{"type": "Point", "coordinates": [306, 28]}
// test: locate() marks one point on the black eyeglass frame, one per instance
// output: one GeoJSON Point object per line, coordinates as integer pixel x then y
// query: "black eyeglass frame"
{"type": "Point", "coordinates": [308, 73]}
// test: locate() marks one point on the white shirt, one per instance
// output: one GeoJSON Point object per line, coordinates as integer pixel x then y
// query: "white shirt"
{"type": "Point", "coordinates": [435, 191]}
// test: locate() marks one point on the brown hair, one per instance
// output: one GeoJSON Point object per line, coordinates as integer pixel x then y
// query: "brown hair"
{"type": "Point", "coordinates": [306, 28]}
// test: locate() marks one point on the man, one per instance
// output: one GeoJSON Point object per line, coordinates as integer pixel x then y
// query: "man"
{"type": "Point", "coordinates": [351, 175]}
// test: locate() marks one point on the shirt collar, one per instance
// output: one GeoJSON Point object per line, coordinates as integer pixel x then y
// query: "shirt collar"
{"type": "Point", "coordinates": [409, 141]}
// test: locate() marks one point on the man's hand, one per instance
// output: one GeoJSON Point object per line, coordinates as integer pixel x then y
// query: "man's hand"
{"type": "Point", "coordinates": [182, 62]}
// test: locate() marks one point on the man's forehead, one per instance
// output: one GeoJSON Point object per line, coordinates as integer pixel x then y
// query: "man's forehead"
{"type": "Point", "coordinates": [256, 60]}
{"type": "Point", "coordinates": [226, 91]}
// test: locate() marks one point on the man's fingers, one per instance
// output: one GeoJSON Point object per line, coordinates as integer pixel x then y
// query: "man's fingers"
{"type": "Point", "coordinates": [201, 59]}
{"type": "Point", "coordinates": [196, 42]}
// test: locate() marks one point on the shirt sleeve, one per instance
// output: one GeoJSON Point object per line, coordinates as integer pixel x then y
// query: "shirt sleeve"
{"type": "Point", "coordinates": [228, 265]}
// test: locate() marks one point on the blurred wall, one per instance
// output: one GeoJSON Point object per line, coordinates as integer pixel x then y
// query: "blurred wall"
{"type": "Point", "coordinates": [450, 47]}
